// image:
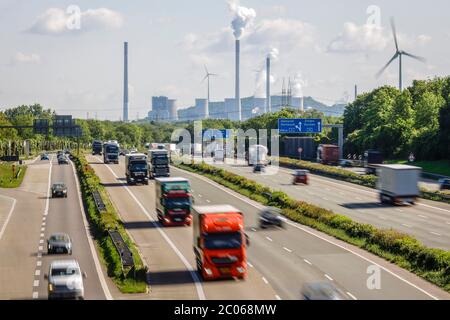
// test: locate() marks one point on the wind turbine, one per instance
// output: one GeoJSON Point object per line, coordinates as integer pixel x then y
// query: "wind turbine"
{"type": "Point", "coordinates": [398, 54]}
{"type": "Point", "coordinates": [207, 76]}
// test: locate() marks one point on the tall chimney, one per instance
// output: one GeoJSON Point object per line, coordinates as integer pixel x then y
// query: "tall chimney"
{"type": "Point", "coordinates": [302, 107]}
{"type": "Point", "coordinates": [125, 82]}
{"type": "Point", "coordinates": [238, 94]}
{"type": "Point", "coordinates": [268, 99]}
{"type": "Point", "coordinates": [356, 91]}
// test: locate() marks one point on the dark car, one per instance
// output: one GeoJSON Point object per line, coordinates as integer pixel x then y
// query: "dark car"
{"type": "Point", "coordinates": [59, 243]}
{"type": "Point", "coordinates": [59, 190]}
{"type": "Point", "coordinates": [45, 157]}
{"type": "Point", "coordinates": [63, 160]}
{"type": "Point", "coordinates": [444, 184]}
{"type": "Point", "coordinates": [59, 153]}
{"type": "Point", "coordinates": [270, 217]}
{"type": "Point", "coordinates": [259, 168]}
{"type": "Point", "coordinates": [67, 151]}
{"type": "Point", "coordinates": [322, 291]}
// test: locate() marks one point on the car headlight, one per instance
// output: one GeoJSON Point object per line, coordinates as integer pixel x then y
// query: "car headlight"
{"type": "Point", "coordinates": [64, 191]}
{"type": "Point", "coordinates": [50, 287]}
{"type": "Point", "coordinates": [240, 269]}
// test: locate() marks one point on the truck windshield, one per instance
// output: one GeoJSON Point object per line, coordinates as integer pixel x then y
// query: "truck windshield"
{"type": "Point", "coordinates": [173, 203]}
{"type": "Point", "coordinates": [216, 241]}
{"type": "Point", "coordinates": [112, 149]}
{"type": "Point", "coordinates": [160, 160]}
{"type": "Point", "coordinates": [139, 166]}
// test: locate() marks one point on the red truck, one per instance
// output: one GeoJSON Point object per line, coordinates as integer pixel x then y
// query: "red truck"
{"type": "Point", "coordinates": [219, 242]}
{"type": "Point", "coordinates": [328, 154]}
{"type": "Point", "coordinates": [173, 201]}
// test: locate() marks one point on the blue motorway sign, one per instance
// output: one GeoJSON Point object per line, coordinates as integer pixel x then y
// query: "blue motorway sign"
{"type": "Point", "coordinates": [215, 133]}
{"type": "Point", "coordinates": [300, 125]}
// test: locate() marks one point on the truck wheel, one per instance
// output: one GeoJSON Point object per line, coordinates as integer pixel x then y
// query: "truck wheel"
{"type": "Point", "coordinates": [146, 183]}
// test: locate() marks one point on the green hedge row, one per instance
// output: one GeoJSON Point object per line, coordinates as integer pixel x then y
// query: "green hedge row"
{"type": "Point", "coordinates": [402, 249]}
{"type": "Point", "coordinates": [352, 177]}
{"type": "Point", "coordinates": [134, 280]}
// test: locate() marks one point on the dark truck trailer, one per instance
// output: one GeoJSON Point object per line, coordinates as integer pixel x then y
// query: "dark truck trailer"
{"type": "Point", "coordinates": [136, 167]}
{"type": "Point", "coordinates": [173, 201]}
{"type": "Point", "coordinates": [291, 146]}
{"type": "Point", "coordinates": [158, 161]}
{"type": "Point", "coordinates": [372, 159]}
{"type": "Point", "coordinates": [97, 147]}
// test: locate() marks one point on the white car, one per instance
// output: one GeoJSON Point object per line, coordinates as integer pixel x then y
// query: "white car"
{"type": "Point", "coordinates": [65, 280]}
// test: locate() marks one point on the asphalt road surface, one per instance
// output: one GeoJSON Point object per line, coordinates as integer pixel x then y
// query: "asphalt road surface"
{"type": "Point", "coordinates": [428, 221]}
{"type": "Point", "coordinates": [281, 261]}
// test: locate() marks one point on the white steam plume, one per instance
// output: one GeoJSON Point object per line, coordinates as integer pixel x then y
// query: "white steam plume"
{"type": "Point", "coordinates": [298, 84]}
{"type": "Point", "coordinates": [243, 17]}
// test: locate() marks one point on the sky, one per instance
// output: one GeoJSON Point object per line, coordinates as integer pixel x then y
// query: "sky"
{"type": "Point", "coordinates": [68, 55]}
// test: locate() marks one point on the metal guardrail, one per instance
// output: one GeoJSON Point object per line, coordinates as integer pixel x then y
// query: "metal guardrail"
{"type": "Point", "coordinates": [126, 256]}
{"type": "Point", "coordinates": [98, 201]}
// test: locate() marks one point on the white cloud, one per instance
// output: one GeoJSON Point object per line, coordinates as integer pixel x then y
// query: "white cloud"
{"type": "Point", "coordinates": [21, 57]}
{"type": "Point", "coordinates": [423, 39]}
{"type": "Point", "coordinates": [354, 38]}
{"type": "Point", "coordinates": [56, 21]}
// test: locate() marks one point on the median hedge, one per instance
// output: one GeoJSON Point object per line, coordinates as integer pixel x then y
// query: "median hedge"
{"type": "Point", "coordinates": [352, 177]}
{"type": "Point", "coordinates": [134, 280]}
{"type": "Point", "coordinates": [402, 249]}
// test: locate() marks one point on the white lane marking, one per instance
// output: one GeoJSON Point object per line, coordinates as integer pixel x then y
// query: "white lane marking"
{"type": "Point", "coordinates": [399, 210]}
{"type": "Point", "coordinates": [328, 277]}
{"type": "Point", "coordinates": [359, 199]}
{"type": "Point", "coordinates": [198, 285]}
{"type": "Point", "coordinates": [8, 216]}
{"type": "Point", "coordinates": [406, 225]}
{"type": "Point", "coordinates": [249, 264]}
{"type": "Point", "coordinates": [428, 206]}
{"type": "Point", "coordinates": [35, 295]}
{"type": "Point", "coordinates": [435, 233]}
{"type": "Point", "coordinates": [98, 267]}
{"type": "Point", "coordinates": [38, 263]}
{"type": "Point", "coordinates": [41, 241]}
{"type": "Point", "coordinates": [43, 224]}
{"type": "Point", "coordinates": [208, 201]}
{"type": "Point", "coordinates": [265, 280]}
{"type": "Point", "coordinates": [422, 216]}
{"type": "Point", "coordinates": [270, 239]}
{"type": "Point", "coordinates": [298, 226]}
{"type": "Point", "coordinates": [41, 248]}
{"type": "Point", "coordinates": [253, 229]}
{"type": "Point", "coordinates": [200, 195]}
{"type": "Point", "coordinates": [42, 229]}
{"type": "Point", "coordinates": [448, 222]}
{"type": "Point", "coordinates": [351, 296]}
{"type": "Point", "coordinates": [308, 262]}
{"type": "Point", "coordinates": [39, 255]}
{"type": "Point", "coordinates": [382, 218]}
{"type": "Point", "coordinates": [36, 283]}
{"type": "Point", "coordinates": [44, 218]}
{"type": "Point", "coordinates": [287, 249]}
{"type": "Point", "coordinates": [42, 235]}
{"type": "Point", "coordinates": [277, 297]}
{"type": "Point", "coordinates": [37, 272]}
{"type": "Point", "coordinates": [47, 200]}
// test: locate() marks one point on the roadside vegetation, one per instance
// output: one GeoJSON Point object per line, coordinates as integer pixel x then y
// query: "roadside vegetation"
{"type": "Point", "coordinates": [130, 281]}
{"type": "Point", "coordinates": [440, 167]}
{"type": "Point", "coordinates": [401, 249]}
{"type": "Point", "coordinates": [7, 179]}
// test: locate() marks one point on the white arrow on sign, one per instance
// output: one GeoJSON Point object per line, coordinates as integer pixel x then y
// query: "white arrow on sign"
{"type": "Point", "coordinates": [318, 125]}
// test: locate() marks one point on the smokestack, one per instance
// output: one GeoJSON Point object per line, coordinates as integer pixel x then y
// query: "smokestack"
{"type": "Point", "coordinates": [302, 108]}
{"type": "Point", "coordinates": [238, 94]}
{"type": "Point", "coordinates": [356, 91]}
{"type": "Point", "coordinates": [125, 81]}
{"type": "Point", "coordinates": [268, 99]}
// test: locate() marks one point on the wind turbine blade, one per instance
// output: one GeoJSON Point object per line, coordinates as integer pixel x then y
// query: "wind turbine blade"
{"type": "Point", "coordinates": [387, 65]}
{"type": "Point", "coordinates": [214, 74]}
{"type": "Point", "coordinates": [421, 59]}
{"type": "Point", "coordinates": [205, 77]}
{"type": "Point", "coordinates": [394, 33]}
{"type": "Point", "coordinates": [206, 69]}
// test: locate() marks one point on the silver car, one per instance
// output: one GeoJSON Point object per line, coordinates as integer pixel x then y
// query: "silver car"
{"type": "Point", "coordinates": [322, 291]}
{"type": "Point", "coordinates": [59, 243]}
{"type": "Point", "coordinates": [65, 280]}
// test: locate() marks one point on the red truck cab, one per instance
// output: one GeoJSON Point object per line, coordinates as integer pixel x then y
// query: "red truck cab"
{"type": "Point", "coordinates": [219, 242]}
{"type": "Point", "coordinates": [173, 201]}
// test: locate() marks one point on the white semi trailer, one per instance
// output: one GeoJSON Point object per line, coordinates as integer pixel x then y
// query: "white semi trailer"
{"type": "Point", "coordinates": [398, 184]}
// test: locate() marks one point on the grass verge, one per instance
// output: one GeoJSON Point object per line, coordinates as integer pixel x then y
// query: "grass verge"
{"type": "Point", "coordinates": [130, 281]}
{"type": "Point", "coordinates": [441, 167]}
{"type": "Point", "coordinates": [401, 249]}
{"type": "Point", "coordinates": [7, 179]}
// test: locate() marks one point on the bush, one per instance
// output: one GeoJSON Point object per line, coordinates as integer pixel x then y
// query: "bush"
{"type": "Point", "coordinates": [406, 251]}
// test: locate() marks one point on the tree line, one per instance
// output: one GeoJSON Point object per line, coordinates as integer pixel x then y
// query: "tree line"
{"type": "Point", "coordinates": [397, 123]}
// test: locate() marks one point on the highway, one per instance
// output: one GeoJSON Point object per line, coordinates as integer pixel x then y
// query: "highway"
{"type": "Point", "coordinates": [428, 221]}
{"type": "Point", "coordinates": [24, 260]}
{"type": "Point", "coordinates": [281, 261]}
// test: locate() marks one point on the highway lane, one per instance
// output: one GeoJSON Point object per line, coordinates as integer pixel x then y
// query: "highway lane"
{"type": "Point", "coordinates": [65, 215]}
{"type": "Point", "coordinates": [428, 221]}
{"type": "Point", "coordinates": [287, 259]}
{"type": "Point", "coordinates": [170, 276]}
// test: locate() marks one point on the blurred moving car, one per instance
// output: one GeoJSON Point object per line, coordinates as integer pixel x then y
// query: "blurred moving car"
{"type": "Point", "coordinates": [123, 152]}
{"type": "Point", "coordinates": [44, 156]}
{"type": "Point", "coordinates": [444, 184]}
{"type": "Point", "coordinates": [300, 176]}
{"type": "Point", "coordinates": [63, 160]}
{"type": "Point", "coordinates": [65, 280]}
{"type": "Point", "coordinates": [59, 189]}
{"type": "Point", "coordinates": [59, 243]}
{"type": "Point", "coordinates": [270, 217]}
{"type": "Point", "coordinates": [66, 151]}
{"type": "Point", "coordinates": [322, 291]}
{"type": "Point", "coordinates": [259, 168]}
{"type": "Point", "coordinates": [346, 163]}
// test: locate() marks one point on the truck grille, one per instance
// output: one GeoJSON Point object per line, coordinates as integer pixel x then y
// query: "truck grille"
{"type": "Point", "coordinates": [224, 260]}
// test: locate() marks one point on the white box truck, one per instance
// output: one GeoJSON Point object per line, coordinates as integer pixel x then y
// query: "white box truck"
{"type": "Point", "coordinates": [397, 183]}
